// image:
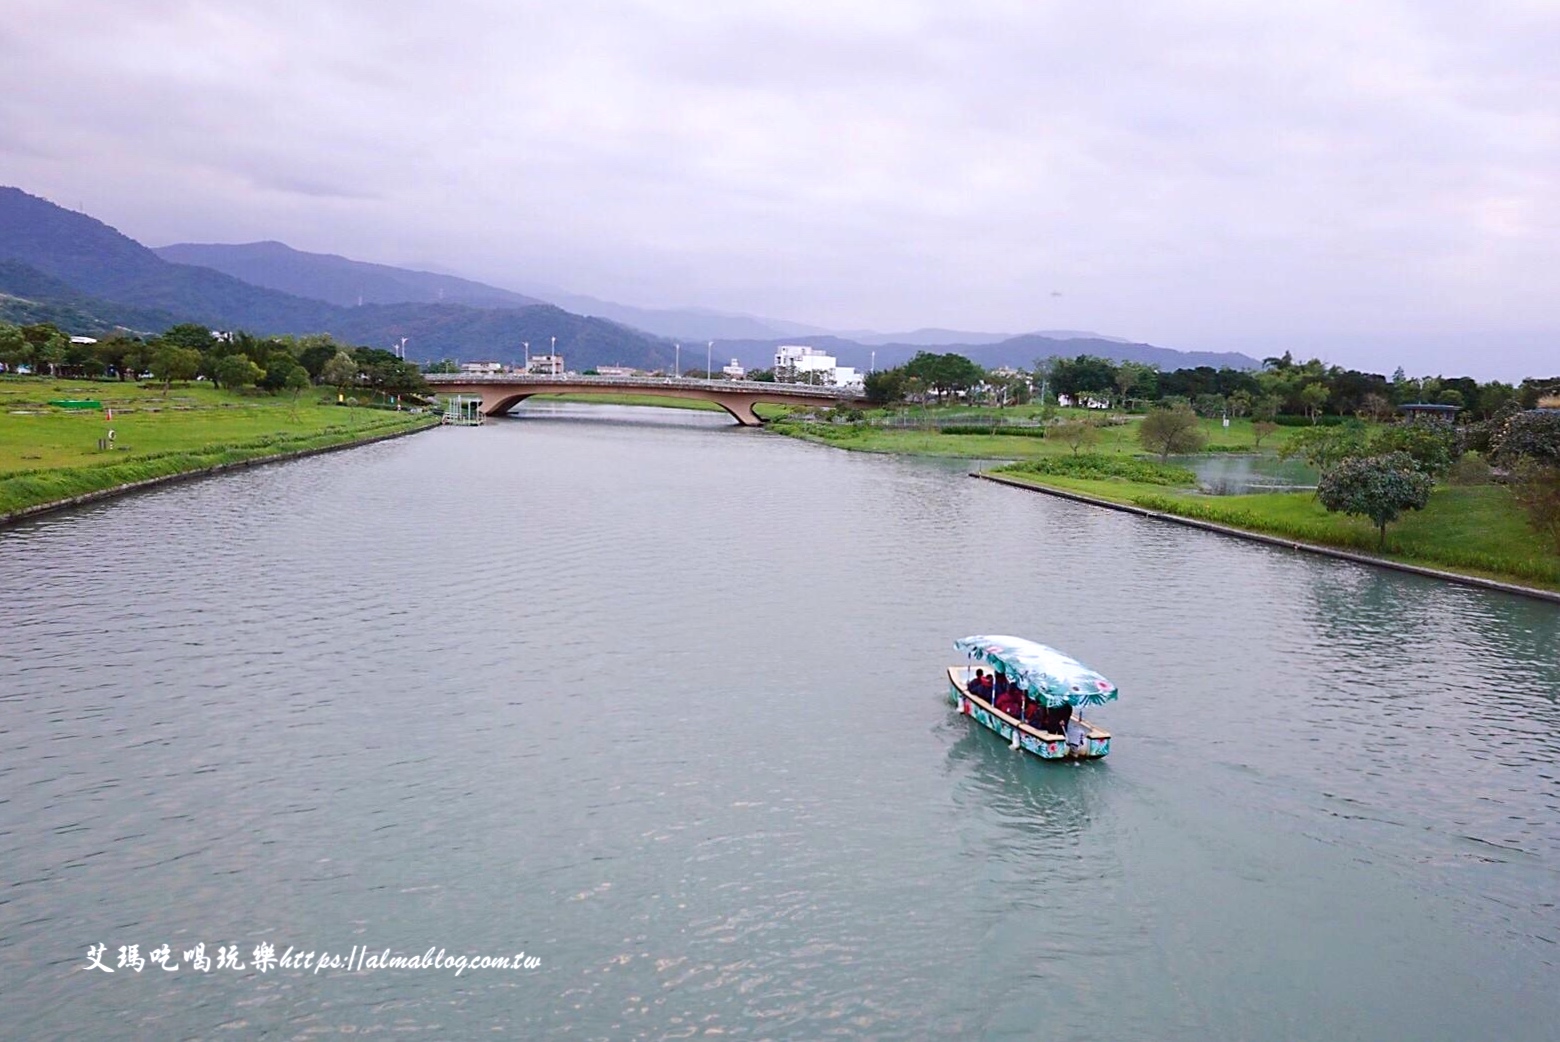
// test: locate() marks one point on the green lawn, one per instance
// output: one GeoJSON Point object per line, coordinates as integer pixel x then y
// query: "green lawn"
{"type": "Point", "coordinates": [1119, 437]}
{"type": "Point", "coordinates": [1473, 529]}
{"type": "Point", "coordinates": [48, 453]}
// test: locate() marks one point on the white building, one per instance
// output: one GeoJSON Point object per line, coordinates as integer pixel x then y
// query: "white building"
{"type": "Point", "coordinates": [616, 370]}
{"type": "Point", "coordinates": [547, 365]}
{"type": "Point", "coordinates": [482, 367]}
{"type": "Point", "coordinates": [797, 363]}
{"type": "Point", "coordinates": [734, 371]}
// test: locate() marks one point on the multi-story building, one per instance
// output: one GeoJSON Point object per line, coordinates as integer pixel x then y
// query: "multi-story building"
{"type": "Point", "coordinates": [798, 363]}
{"type": "Point", "coordinates": [547, 365]}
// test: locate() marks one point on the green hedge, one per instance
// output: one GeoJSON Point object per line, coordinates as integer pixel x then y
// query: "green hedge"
{"type": "Point", "coordinates": [1098, 467]}
{"type": "Point", "coordinates": [1005, 432]}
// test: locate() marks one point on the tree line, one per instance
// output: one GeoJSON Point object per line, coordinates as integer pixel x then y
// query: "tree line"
{"type": "Point", "coordinates": [1282, 387]}
{"type": "Point", "coordinates": [235, 360]}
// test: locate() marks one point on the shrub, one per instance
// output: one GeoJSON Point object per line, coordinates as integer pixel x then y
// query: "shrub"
{"type": "Point", "coordinates": [1167, 431]}
{"type": "Point", "coordinates": [1097, 467]}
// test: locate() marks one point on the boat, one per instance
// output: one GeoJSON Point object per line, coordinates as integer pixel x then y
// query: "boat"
{"type": "Point", "coordinates": [1045, 679]}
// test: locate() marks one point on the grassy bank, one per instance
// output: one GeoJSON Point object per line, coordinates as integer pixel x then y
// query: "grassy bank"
{"type": "Point", "coordinates": [921, 434]}
{"type": "Point", "coordinates": [1476, 530]}
{"type": "Point", "coordinates": [49, 454]}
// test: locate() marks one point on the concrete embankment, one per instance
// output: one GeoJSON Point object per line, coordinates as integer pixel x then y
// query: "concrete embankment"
{"type": "Point", "coordinates": [200, 472]}
{"type": "Point", "coordinates": [1286, 543]}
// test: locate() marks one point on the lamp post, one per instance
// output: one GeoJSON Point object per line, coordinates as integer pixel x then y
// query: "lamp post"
{"type": "Point", "coordinates": [677, 362]}
{"type": "Point", "coordinates": [708, 350]}
{"type": "Point", "coordinates": [527, 345]}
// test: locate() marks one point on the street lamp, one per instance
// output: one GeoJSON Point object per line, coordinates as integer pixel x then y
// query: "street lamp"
{"type": "Point", "coordinates": [708, 349]}
{"type": "Point", "coordinates": [677, 363]}
{"type": "Point", "coordinates": [527, 345]}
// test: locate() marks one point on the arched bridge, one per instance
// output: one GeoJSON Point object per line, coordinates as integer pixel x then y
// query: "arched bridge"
{"type": "Point", "coordinates": [500, 392]}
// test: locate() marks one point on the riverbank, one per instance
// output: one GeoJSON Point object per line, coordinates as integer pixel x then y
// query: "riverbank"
{"type": "Point", "coordinates": [53, 456]}
{"type": "Point", "coordinates": [1466, 533]}
{"type": "Point", "coordinates": [1473, 532]}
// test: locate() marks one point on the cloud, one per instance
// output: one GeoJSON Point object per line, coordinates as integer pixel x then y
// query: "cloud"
{"type": "Point", "coordinates": [1197, 173]}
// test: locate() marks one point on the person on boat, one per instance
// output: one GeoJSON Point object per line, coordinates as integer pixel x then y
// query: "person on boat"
{"type": "Point", "coordinates": [1036, 716]}
{"type": "Point", "coordinates": [1059, 716]}
{"type": "Point", "coordinates": [980, 685]}
{"type": "Point", "coordinates": [1009, 702]}
{"type": "Point", "coordinates": [1002, 683]}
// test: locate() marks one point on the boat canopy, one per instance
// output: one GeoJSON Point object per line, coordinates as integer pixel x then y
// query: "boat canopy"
{"type": "Point", "coordinates": [1042, 673]}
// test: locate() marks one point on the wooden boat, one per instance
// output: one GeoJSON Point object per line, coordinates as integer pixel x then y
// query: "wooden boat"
{"type": "Point", "coordinates": [1041, 676]}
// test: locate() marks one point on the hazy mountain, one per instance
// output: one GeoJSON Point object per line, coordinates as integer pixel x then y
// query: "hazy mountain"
{"type": "Point", "coordinates": [27, 296]}
{"type": "Point", "coordinates": [93, 277]}
{"type": "Point", "coordinates": [689, 325]}
{"type": "Point", "coordinates": [337, 280]}
{"type": "Point", "coordinates": [98, 261]}
{"type": "Point", "coordinates": [1018, 352]}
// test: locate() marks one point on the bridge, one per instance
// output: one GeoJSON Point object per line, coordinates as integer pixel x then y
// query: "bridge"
{"type": "Point", "coordinates": [501, 392]}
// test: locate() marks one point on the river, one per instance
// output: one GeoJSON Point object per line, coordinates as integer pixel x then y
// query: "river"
{"type": "Point", "coordinates": [659, 701]}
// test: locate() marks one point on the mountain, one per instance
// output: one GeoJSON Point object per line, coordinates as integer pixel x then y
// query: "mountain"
{"type": "Point", "coordinates": [345, 282]}
{"type": "Point", "coordinates": [337, 280]}
{"type": "Point", "coordinates": [1018, 352]}
{"type": "Point", "coordinates": [57, 262]}
{"type": "Point", "coordinates": [27, 296]}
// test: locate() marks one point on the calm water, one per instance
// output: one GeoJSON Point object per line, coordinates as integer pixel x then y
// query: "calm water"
{"type": "Point", "coordinates": [659, 701]}
{"type": "Point", "coordinates": [1227, 474]}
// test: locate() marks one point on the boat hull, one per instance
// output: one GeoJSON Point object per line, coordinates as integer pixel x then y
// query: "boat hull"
{"type": "Point", "coordinates": [1095, 744]}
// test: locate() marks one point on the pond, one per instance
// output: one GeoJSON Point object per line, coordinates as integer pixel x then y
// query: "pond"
{"type": "Point", "coordinates": [1221, 474]}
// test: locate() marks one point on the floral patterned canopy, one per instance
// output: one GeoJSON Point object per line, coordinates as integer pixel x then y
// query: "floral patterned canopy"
{"type": "Point", "coordinates": [1044, 674]}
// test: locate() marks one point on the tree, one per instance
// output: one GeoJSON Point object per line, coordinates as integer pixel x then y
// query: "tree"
{"type": "Point", "coordinates": [885, 386]}
{"type": "Point", "coordinates": [1378, 487]}
{"type": "Point", "coordinates": [1241, 402]}
{"type": "Point", "coordinates": [297, 381]}
{"type": "Point", "coordinates": [1326, 447]}
{"type": "Point", "coordinates": [341, 371]}
{"type": "Point", "coordinates": [1536, 488]}
{"type": "Point", "coordinates": [1265, 409]}
{"type": "Point", "coordinates": [1168, 431]}
{"type": "Point", "coordinates": [1261, 429]}
{"type": "Point", "coordinates": [1077, 434]}
{"type": "Point", "coordinates": [1432, 446]}
{"type": "Point", "coordinates": [188, 335]}
{"type": "Point", "coordinates": [1313, 398]}
{"type": "Point", "coordinates": [235, 371]}
{"type": "Point", "coordinates": [1084, 376]}
{"type": "Point", "coordinates": [15, 351]}
{"type": "Point", "coordinates": [1528, 435]}
{"type": "Point", "coordinates": [171, 363]}
{"type": "Point", "coordinates": [1374, 407]}
{"type": "Point", "coordinates": [944, 373]}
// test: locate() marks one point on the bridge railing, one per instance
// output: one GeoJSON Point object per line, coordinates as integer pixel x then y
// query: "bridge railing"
{"type": "Point", "coordinates": [646, 382]}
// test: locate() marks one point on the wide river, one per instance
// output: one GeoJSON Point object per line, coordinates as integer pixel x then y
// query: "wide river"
{"type": "Point", "coordinates": [660, 702]}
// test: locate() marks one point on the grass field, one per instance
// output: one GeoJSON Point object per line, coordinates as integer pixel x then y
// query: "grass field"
{"type": "Point", "coordinates": [48, 453]}
{"type": "Point", "coordinates": [1477, 529]}
{"type": "Point", "coordinates": [922, 441]}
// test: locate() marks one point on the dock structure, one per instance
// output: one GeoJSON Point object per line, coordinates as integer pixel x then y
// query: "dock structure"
{"type": "Point", "coordinates": [463, 411]}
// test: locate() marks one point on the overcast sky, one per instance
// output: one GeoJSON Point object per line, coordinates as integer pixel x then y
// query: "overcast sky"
{"type": "Point", "coordinates": [1374, 182]}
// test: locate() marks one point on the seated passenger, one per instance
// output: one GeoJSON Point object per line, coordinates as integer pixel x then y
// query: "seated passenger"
{"type": "Point", "coordinates": [1002, 684]}
{"type": "Point", "coordinates": [1008, 702]}
{"type": "Point", "coordinates": [980, 684]}
{"type": "Point", "coordinates": [1036, 716]}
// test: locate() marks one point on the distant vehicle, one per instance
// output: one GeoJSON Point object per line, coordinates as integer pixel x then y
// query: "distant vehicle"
{"type": "Point", "coordinates": [1047, 691]}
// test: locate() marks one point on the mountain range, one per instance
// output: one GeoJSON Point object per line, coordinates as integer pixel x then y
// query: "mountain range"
{"type": "Point", "coordinates": [66, 267]}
